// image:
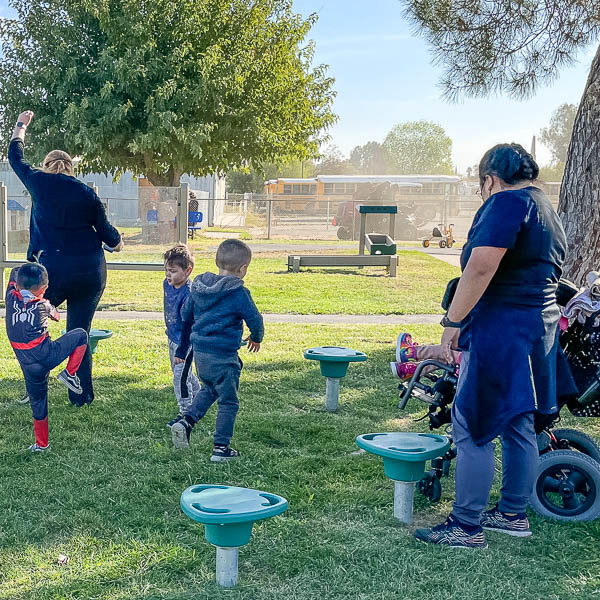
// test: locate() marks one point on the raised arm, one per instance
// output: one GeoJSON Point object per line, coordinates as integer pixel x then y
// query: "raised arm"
{"type": "Point", "coordinates": [15, 149]}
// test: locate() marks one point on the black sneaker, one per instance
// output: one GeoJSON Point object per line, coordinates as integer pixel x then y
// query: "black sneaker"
{"type": "Point", "coordinates": [223, 453]}
{"type": "Point", "coordinates": [71, 381]}
{"type": "Point", "coordinates": [494, 520]}
{"type": "Point", "coordinates": [180, 433]}
{"type": "Point", "coordinates": [451, 533]}
{"type": "Point", "coordinates": [173, 421]}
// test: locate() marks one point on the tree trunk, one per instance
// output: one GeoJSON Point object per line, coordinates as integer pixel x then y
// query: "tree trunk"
{"type": "Point", "coordinates": [579, 206]}
{"type": "Point", "coordinates": [169, 179]}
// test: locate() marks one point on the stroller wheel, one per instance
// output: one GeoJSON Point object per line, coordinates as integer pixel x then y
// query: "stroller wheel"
{"type": "Point", "coordinates": [430, 487]}
{"type": "Point", "coordinates": [572, 439]}
{"type": "Point", "coordinates": [567, 487]}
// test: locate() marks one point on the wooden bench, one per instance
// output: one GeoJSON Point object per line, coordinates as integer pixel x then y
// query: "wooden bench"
{"type": "Point", "coordinates": [342, 260]}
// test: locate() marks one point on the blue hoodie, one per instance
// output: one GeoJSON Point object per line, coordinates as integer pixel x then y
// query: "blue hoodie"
{"type": "Point", "coordinates": [214, 313]}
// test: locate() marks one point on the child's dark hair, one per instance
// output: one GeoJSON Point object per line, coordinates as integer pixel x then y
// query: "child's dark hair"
{"type": "Point", "coordinates": [179, 256]}
{"type": "Point", "coordinates": [32, 276]}
{"type": "Point", "coordinates": [511, 162]}
{"type": "Point", "coordinates": [232, 254]}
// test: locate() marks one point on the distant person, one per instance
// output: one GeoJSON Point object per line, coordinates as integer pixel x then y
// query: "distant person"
{"type": "Point", "coordinates": [179, 264]}
{"type": "Point", "coordinates": [67, 230]}
{"type": "Point", "coordinates": [213, 319]}
{"type": "Point", "coordinates": [27, 314]}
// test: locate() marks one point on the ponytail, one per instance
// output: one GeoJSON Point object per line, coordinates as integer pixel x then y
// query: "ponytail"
{"type": "Point", "coordinates": [510, 162]}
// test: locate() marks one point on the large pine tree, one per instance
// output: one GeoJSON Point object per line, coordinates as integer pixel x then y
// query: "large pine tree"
{"type": "Point", "coordinates": [512, 46]}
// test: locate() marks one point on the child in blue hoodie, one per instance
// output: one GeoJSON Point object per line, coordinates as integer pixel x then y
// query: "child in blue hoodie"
{"type": "Point", "coordinates": [213, 319]}
{"type": "Point", "coordinates": [179, 263]}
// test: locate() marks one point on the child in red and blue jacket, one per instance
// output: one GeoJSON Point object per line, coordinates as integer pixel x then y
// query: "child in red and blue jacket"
{"type": "Point", "coordinates": [27, 314]}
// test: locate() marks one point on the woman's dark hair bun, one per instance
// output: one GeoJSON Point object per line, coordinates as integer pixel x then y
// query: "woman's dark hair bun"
{"type": "Point", "coordinates": [510, 162]}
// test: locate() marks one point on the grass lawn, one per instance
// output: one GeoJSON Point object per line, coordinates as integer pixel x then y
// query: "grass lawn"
{"type": "Point", "coordinates": [107, 494]}
{"type": "Point", "coordinates": [418, 288]}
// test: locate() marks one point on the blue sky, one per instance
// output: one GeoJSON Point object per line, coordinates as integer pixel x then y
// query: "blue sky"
{"type": "Point", "coordinates": [384, 76]}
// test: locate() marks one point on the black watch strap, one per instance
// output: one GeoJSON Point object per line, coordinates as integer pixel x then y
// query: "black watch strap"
{"type": "Point", "coordinates": [21, 125]}
{"type": "Point", "coordinates": [446, 322]}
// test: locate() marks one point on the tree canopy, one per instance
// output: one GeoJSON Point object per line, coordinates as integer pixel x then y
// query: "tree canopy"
{"type": "Point", "coordinates": [418, 148]}
{"type": "Point", "coordinates": [369, 159]}
{"type": "Point", "coordinates": [557, 135]}
{"type": "Point", "coordinates": [164, 87]}
{"type": "Point", "coordinates": [500, 45]}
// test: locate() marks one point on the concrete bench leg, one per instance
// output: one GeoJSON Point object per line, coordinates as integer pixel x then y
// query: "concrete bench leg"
{"type": "Point", "coordinates": [296, 264]}
{"type": "Point", "coordinates": [393, 265]}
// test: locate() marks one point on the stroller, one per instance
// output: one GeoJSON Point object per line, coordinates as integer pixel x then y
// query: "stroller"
{"type": "Point", "coordinates": [567, 487]}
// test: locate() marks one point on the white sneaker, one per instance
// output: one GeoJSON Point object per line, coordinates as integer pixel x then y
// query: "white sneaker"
{"type": "Point", "coordinates": [37, 448]}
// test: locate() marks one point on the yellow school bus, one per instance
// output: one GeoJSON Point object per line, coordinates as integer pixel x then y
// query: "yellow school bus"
{"type": "Point", "coordinates": [325, 192]}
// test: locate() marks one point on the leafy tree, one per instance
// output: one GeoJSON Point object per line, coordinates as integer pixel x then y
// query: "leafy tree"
{"type": "Point", "coordinates": [369, 159]}
{"type": "Point", "coordinates": [164, 87]}
{"type": "Point", "coordinates": [333, 162]}
{"type": "Point", "coordinates": [557, 135]}
{"type": "Point", "coordinates": [418, 148]}
{"type": "Point", "coordinates": [511, 47]}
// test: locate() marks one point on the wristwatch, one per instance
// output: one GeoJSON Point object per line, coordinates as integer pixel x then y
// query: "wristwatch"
{"type": "Point", "coordinates": [446, 322]}
{"type": "Point", "coordinates": [21, 125]}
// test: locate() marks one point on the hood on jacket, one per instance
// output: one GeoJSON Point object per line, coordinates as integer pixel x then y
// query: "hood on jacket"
{"type": "Point", "coordinates": [209, 288]}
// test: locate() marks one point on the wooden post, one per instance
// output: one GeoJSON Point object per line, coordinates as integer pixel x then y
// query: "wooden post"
{"type": "Point", "coordinates": [3, 229]}
{"type": "Point", "coordinates": [183, 202]}
{"type": "Point", "coordinates": [363, 231]}
{"type": "Point", "coordinates": [393, 226]}
{"type": "Point", "coordinates": [269, 215]}
{"type": "Point", "coordinates": [393, 265]}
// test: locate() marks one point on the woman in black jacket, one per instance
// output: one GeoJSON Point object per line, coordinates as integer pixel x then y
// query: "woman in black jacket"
{"type": "Point", "coordinates": [67, 230]}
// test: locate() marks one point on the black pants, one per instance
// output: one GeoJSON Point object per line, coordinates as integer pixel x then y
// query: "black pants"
{"type": "Point", "coordinates": [82, 292]}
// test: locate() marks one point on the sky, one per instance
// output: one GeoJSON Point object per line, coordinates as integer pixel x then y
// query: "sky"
{"type": "Point", "coordinates": [384, 76]}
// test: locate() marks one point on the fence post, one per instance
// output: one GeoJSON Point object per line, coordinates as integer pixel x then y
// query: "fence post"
{"type": "Point", "coordinates": [269, 213]}
{"type": "Point", "coordinates": [183, 202]}
{"type": "Point", "coordinates": [3, 228]}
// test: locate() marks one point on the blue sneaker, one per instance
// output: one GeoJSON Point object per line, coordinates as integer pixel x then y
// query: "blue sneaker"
{"type": "Point", "coordinates": [452, 533]}
{"type": "Point", "coordinates": [495, 520]}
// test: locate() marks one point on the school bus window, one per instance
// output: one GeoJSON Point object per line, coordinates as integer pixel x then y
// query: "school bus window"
{"type": "Point", "coordinates": [350, 188]}
{"type": "Point", "coordinates": [328, 188]}
{"type": "Point", "coordinates": [296, 188]}
{"type": "Point", "coordinates": [287, 189]}
{"type": "Point", "coordinates": [305, 188]}
{"type": "Point", "coordinates": [313, 189]}
{"type": "Point", "coordinates": [339, 188]}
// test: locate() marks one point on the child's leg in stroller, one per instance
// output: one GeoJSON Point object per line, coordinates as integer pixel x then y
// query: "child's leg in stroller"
{"type": "Point", "coordinates": [474, 472]}
{"type": "Point", "coordinates": [519, 464]}
{"type": "Point", "coordinates": [435, 352]}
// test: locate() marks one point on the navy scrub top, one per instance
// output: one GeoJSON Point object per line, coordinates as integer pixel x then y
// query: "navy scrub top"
{"type": "Point", "coordinates": [511, 335]}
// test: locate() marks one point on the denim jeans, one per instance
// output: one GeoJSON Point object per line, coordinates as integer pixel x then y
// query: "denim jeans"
{"type": "Point", "coordinates": [220, 378]}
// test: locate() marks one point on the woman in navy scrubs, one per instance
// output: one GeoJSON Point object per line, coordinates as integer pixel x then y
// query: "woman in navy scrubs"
{"type": "Point", "coordinates": [68, 227]}
{"type": "Point", "coordinates": [504, 317]}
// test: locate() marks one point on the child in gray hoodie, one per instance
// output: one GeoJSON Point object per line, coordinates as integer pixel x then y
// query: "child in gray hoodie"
{"type": "Point", "coordinates": [213, 319]}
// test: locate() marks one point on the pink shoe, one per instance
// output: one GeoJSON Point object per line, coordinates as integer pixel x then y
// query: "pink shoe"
{"type": "Point", "coordinates": [403, 370]}
{"type": "Point", "coordinates": [405, 348]}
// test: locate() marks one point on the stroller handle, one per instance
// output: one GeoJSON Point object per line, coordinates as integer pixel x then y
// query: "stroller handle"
{"type": "Point", "coordinates": [414, 380]}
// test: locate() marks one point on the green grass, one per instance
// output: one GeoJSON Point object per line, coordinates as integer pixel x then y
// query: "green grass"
{"type": "Point", "coordinates": [417, 289]}
{"type": "Point", "coordinates": [107, 494]}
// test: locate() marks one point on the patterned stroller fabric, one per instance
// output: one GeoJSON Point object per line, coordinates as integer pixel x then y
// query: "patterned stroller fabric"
{"type": "Point", "coordinates": [581, 345]}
